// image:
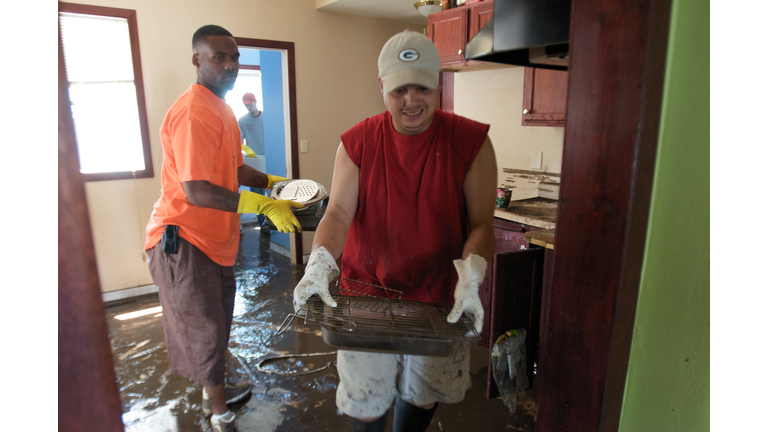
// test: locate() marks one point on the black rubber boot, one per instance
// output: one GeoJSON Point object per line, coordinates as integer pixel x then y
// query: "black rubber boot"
{"type": "Point", "coordinates": [377, 426]}
{"type": "Point", "coordinates": [410, 418]}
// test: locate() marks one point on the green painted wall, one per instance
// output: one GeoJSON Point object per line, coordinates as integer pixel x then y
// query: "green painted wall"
{"type": "Point", "coordinates": [667, 385]}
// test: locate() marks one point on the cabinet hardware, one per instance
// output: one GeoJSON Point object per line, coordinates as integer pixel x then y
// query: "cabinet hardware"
{"type": "Point", "coordinates": [525, 111]}
{"type": "Point", "coordinates": [460, 51]}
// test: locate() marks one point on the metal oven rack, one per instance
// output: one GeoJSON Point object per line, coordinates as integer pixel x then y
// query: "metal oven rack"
{"type": "Point", "coordinates": [373, 318]}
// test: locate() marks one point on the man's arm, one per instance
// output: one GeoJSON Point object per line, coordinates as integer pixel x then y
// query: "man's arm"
{"type": "Point", "coordinates": [479, 187]}
{"type": "Point", "coordinates": [330, 235]}
{"type": "Point", "coordinates": [204, 194]}
{"type": "Point", "coordinates": [251, 177]}
{"type": "Point", "coordinates": [479, 193]}
{"type": "Point", "coordinates": [332, 231]}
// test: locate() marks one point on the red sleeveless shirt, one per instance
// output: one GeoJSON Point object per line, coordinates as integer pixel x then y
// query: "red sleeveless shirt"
{"type": "Point", "coordinates": [411, 220]}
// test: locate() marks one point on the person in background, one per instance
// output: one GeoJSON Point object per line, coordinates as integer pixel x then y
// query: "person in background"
{"type": "Point", "coordinates": [252, 131]}
{"type": "Point", "coordinates": [192, 234]}
{"type": "Point", "coordinates": [411, 208]}
{"type": "Point", "coordinates": [252, 127]}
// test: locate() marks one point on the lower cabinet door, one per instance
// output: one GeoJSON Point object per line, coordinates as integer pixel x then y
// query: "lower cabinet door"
{"type": "Point", "coordinates": [515, 303]}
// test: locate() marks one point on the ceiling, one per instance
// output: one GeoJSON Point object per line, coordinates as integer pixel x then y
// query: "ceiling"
{"type": "Point", "coordinates": [395, 10]}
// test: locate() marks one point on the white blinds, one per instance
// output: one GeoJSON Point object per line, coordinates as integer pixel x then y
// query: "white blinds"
{"type": "Point", "coordinates": [98, 59]}
{"type": "Point", "coordinates": [96, 48]}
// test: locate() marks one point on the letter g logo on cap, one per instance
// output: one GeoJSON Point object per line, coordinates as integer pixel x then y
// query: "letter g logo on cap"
{"type": "Point", "coordinates": [408, 55]}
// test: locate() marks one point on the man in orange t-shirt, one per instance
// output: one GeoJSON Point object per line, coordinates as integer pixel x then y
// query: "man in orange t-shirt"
{"type": "Point", "coordinates": [193, 232]}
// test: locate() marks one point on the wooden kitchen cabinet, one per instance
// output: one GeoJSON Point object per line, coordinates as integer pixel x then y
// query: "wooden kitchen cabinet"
{"type": "Point", "coordinates": [510, 236]}
{"type": "Point", "coordinates": [479, 14]}
{"type": "Point", "coordinates": [516, 303]}
{"type": "Point", "coordinates": [544, 97]}
{"type": "Point", "coordinates": [511, 291]}
{"type": "Point", "coordinates": [544, 239]}
{"type": "Point", "coordinates": [450, 30]}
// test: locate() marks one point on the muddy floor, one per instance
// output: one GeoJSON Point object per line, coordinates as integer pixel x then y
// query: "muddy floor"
{"type": "Point", "coordinates": [289, 394]}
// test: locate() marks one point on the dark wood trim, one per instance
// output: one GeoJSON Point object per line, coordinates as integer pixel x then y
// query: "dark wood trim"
{"type": "Point", "coordinates": [290, 50]}
{"type": "Point", "coordinates": [138, 80]}
{"type": "Point", "coordinates": [88, 394]}
{"type": "Point", "coordinates": [446, 100]}
{"type": "Point", "coordinates": [96, 10]}
{"type": "Point", "coordinates": [616, 73]}
{"type": "Point", "coordinates": [654, 55]}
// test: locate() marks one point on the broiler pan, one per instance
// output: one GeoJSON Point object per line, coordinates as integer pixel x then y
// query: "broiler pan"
{"type": "Point", "coordinates": [365, 322]}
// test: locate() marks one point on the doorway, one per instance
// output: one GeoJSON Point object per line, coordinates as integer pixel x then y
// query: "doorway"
{"type": "Point", "coordinates": [267, 69]}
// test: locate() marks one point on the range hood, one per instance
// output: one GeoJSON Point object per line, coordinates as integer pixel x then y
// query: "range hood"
{"type": "Point", "coordinates": [532, 33]}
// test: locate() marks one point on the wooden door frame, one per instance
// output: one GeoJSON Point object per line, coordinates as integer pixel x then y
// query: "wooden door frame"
{"type": "Point", "coordinates": [88, 394]}
{"type": "Point", "coordinates": [615, 86]}
{"type": "Point", "coordinates": [298, 246]}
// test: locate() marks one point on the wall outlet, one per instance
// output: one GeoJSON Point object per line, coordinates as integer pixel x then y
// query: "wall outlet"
{"type": "Point", "coordinates": [304, 146]}
{"type": "Point", "coordinates": [536, 160]}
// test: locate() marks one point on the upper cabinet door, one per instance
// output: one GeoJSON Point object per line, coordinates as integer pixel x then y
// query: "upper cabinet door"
{"type": "Point", "coordinates": [448, 30]}
{"type": "Point", "coordinates": [544, 97]}
{"type": "Point", "coordinates": [479, 15]}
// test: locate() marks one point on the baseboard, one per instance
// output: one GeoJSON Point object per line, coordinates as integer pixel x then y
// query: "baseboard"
{"type": "Point", "coordinates": [150, 289]}
{"type": "Point", "coordinates": [128, 293]}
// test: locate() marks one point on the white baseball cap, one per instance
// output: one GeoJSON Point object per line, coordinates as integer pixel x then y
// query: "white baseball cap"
{"type": "Point", "coordinates": [409, 58]}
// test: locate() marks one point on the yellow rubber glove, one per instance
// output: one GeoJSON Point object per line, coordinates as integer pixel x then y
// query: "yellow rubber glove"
{"type": "Point", "coordinates": [248, 151]}
{"type": "Point", "coordinates": [273, 180]}
{"type": "Point", "coordinates": [278, 211]}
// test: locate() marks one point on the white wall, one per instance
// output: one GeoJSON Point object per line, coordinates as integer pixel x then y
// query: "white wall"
{"type": "Point", "coordinates": [495, 97]}
{"type": "Point", "coordinates": [336, 70]}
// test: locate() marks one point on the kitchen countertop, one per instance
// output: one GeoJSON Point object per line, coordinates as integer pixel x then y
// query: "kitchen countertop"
{"type": "Point", "coordinates": [544, 238]}
{"type": "Point", "coordinates": [537, 212]}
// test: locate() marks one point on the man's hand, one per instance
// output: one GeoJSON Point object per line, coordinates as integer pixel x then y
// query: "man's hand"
{"type": "Point", "coordinates": [467, 300]}
{"type": "Point", "coordinates": [278, 211]}
{"type": "Point", "coordinates": [272, 180]}
{"type": "Point", "coordinates": [320, 271]}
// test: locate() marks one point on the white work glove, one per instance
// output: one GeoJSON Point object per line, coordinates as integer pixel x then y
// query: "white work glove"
{"type": "Point", "coordinates": [320, 271]}
{"type": "Point", "coordinates": [467, 299]}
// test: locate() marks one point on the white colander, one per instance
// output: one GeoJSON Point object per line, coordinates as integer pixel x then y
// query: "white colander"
{"type": "Point", "coordinates": [307, 192]}
{"type": "Point", "coordinates": [301, 191]}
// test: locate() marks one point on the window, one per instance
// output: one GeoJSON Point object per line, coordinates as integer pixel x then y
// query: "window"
{"type": "Point", "coordinates": [106, 91]}
{"type": "Point", "coordinates": [248, 80]}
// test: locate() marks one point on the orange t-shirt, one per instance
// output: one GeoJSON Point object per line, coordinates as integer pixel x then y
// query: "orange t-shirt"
{"type": "Point", "coordinates": [201, 141]}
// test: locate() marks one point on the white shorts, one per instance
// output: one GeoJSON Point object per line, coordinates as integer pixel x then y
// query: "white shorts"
{"type": "Point", "coordinates": [369, 381]}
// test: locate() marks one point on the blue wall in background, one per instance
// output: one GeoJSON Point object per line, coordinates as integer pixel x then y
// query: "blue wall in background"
{"type": "Point", "coordinates": [250, 57]}
{"type": "Point", "coordinates": [274, 122]}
